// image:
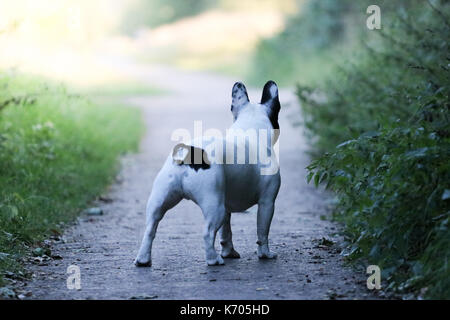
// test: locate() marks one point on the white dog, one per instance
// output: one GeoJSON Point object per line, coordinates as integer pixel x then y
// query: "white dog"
{"type": "Point", "coordinates": [218, 182]}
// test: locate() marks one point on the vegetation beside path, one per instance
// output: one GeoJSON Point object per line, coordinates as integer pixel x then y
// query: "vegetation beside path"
{"type": "Point", "coordinates": [58, 150]}
{"type": "Point", "coordinates": [378, 120]}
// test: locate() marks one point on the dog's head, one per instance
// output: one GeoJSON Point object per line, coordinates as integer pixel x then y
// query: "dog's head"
{"type": "Point", "coordinates": [269, 105]}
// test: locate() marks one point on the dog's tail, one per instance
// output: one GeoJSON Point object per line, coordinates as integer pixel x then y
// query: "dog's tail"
{"type": "Point", "coordinates": [194, 157]}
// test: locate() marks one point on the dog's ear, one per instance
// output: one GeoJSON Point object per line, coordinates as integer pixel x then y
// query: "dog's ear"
{"type": "Point", "coordinates": [271, 101]}
{"type": "Point", "coordinates": [239, 98]}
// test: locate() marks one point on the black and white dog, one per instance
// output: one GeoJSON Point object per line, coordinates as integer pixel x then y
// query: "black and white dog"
{"type": "Point", "coordinates": [217, 179]}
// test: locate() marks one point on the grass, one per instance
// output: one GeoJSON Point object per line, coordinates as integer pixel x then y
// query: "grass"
{"type": "Point", "coordinates": [57, 152]}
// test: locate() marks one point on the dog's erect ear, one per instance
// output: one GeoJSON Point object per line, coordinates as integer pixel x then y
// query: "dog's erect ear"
{"type": "Point", "coordinates": [239, 98]}
{"type": "Point", "coordinates": [271, 101]}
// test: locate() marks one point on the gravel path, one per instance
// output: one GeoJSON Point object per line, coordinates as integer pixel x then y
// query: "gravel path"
{"type": "Point", "coordinates": [104, 247]}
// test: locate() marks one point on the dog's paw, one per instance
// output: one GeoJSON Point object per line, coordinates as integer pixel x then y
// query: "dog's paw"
{"type": "Point", "coordinates": [215, 262]}
{"type": "Point", "coordinates": [142, 263]}
{"type": "Point", "coordinates": [267, 255]}
{"type": "Point", "coordinates": [230, 254]}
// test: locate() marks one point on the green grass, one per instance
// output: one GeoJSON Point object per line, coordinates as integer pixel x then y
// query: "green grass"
{"type": "Point", "coordinates": [57, 152]}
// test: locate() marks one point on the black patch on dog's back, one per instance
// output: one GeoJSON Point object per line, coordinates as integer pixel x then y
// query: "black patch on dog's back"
{"type": "Point", "coordinates": [197, 159]}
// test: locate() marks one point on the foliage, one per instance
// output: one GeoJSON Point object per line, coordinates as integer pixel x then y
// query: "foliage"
{"type": "Point", "coordinates": [388, 114]}
{"type": "Point", "coordinates": [303, 44]}
{"type": "Point", "coordinates": [315, 41]}
{"type": "Point", "coordinates": [57, 151]}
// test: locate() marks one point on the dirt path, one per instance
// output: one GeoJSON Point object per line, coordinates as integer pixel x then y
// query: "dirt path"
{"type": "Point", "coordinates": [104, 247]}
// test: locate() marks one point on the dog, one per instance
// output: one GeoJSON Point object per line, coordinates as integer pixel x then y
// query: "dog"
{"type": "Point", "coordinates": [218, 183]}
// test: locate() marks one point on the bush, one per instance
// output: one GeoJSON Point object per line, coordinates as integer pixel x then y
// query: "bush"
{"type": "Point", "coordinates": [302, 44]}
{"type": "Point", "coordinates": [57, 152]}
{"type": "Point", "coordinates": [382, 130]}
{"type": "Point", "coordinates": [316, 40]}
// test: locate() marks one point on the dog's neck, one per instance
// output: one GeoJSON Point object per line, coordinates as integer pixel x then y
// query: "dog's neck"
{"type": "Point", "coordinates": [253, 116]}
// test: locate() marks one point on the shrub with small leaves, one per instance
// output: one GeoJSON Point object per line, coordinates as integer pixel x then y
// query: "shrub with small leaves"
{"type": "Point", "coordinates": [381, 134]}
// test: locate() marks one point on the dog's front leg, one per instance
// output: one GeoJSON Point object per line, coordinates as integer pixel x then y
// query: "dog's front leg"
{"type": "Point", "coordinates": [214, 217]}
{"type": "Point", "coordinates": [265, 214]}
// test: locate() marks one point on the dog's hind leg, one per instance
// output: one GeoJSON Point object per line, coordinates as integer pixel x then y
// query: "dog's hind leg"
{"type": "Point", "coordinates": [164, 196]}
{"type": "Point", "coordinates": [214, 216]}
{"type": "Point", "coordinates": [226, 239]}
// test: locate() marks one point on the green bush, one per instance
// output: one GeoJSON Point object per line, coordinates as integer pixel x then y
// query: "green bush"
{"type": "Point", "coordinates": [57, 152]}
{"type": "Point", "coordinates": [381, 130]}
{"type": "Point", "coordinates": [302, 44]}
{"type": "Point", "coordinates": [315, 40]}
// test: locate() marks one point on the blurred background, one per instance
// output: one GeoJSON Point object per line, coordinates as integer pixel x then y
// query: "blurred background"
{"type": "Point", "coordinates": [71, 40]}
{"type": "Point", "coordinates": [76, 41]}
{"type": "Point", "coordinates": [374, 106]}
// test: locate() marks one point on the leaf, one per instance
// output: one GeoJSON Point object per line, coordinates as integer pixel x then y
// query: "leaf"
{"type": "Point", "coordinates": [446, 194]}
{"type": "Point", "coordinates": [309, 176]}
{"type": "Point", "coordinates": [13, 212]}
{"type": "Point", "coordinates": [316, 179]}
{"type": "Point", "coordinates": [323, 177]}
{"type": "Point", "coordinates": [370, 134]}
{"type": "Point", "coordinates": [387, 272]}
{"type": "Point", "coordinates": [374, 251]}
{"type": "Point", "coordinates": [343, 144]}
{"type": "Point", "coordinates": [3, 256]}
{"type": "Point", "coordinates": [419, 153]}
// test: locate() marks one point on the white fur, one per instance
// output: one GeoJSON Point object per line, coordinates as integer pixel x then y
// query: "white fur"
{"type": "Point", "coordinates": [219, 190]}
